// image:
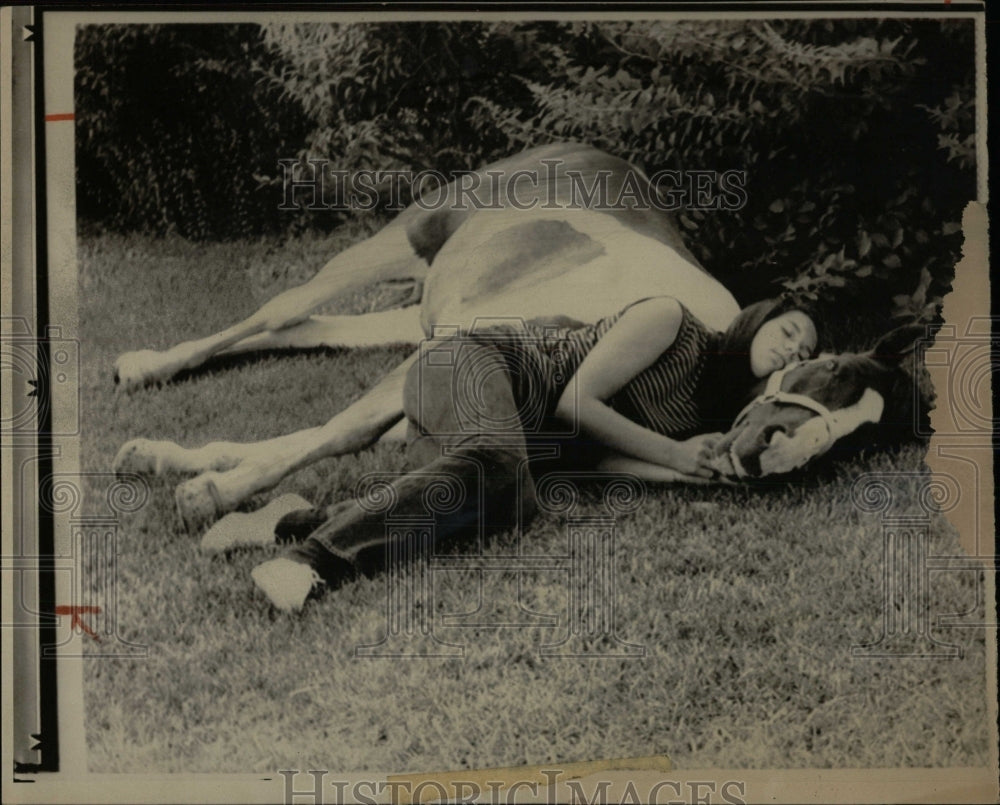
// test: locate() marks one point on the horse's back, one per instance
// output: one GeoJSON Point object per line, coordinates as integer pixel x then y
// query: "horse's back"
{"type": "Point", "coordinates": [561, 229]}
{"type": "Point", "coordinates": [555, 176]}
{"type": "Point", "coordinates": [576, 263]}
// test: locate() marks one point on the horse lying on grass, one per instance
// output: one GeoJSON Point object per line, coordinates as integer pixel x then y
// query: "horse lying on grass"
{"type": "Point", "coordinates": [525, 242]}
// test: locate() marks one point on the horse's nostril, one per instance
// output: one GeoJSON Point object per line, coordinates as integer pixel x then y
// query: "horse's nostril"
{"type": "Point", "coordinates": [770, 430]}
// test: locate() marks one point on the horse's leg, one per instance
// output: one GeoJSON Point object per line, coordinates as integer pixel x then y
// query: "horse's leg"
{"type": "Point", "coordinates": [386, 255]}
{"type": "Point", "coordinates": [156, 457]}
{"type": "Point", "coordinates": [211, 494]}
{"type": "Point", "coordinates": [396, 434]}
{"type": "Point", "coordinates": [149, 457]}
{"type": "Point", "coordinates": [399, 326]}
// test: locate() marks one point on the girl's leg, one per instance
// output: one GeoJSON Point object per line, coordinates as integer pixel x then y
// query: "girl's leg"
{"type": "Point", "coordinates": [465, 434]}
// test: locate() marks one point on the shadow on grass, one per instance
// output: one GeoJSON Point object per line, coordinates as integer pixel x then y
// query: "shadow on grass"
{"type": "Point", "coordinates": [219, 364]}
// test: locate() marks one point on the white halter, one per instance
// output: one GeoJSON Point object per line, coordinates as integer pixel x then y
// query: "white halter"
{"type": "Point", "coordinates": [834, 423]}
{"type": "Point", "coordinates": [773, 393]}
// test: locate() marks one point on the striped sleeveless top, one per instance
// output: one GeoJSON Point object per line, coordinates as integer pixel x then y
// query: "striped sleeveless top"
{"type": "Point", "coordinates": [542, 359]}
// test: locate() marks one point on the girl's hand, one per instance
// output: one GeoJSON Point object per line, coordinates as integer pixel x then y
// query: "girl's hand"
{"type": "Point", "coordinates": [693, 457]}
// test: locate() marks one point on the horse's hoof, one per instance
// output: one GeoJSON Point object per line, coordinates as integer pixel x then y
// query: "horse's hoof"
{"type": "Point", "coordinates": [133, 370]}
{"type": "Point", "coordinates": [138, 457]}
{"type": "Point", "coordinates": [198, 502]}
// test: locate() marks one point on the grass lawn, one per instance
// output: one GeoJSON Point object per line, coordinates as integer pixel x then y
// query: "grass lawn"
{"type": "Point", "coordinates": [746, 600]}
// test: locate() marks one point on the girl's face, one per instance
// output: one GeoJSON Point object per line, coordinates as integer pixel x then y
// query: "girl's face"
{"type": "Point", "coordinates": [785, 338]}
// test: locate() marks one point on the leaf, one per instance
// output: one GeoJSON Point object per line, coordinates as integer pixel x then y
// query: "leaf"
{"type": "Point", "coordinates": [777, 206]}
{"type": "Point", "coordinates": [864, 244]}
{"type": "Point", "coordinates": [920, 294]}
{"type": "Point", "coordinates": [892, 261]}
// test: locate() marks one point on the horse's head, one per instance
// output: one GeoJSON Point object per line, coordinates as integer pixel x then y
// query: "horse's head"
{"type": "Point", "coordinates": [804, 409]}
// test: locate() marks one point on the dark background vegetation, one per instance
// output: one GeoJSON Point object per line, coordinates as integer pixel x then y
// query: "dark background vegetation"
{"type": "Point", "coordinates": [857, 135]}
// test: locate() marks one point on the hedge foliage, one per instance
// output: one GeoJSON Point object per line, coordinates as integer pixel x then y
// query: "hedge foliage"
{"type": "Point", "coordinates": [857, 136]}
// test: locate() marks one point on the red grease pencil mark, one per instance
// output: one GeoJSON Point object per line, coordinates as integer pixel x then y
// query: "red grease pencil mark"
{"type": "Point", "coordinates": [77, 612]}
{"type": "Point", "coordinates": [61, 116]}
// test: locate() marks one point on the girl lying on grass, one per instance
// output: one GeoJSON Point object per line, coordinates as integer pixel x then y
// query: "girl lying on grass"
{"type": "Point", "coordinates": [651, 384]}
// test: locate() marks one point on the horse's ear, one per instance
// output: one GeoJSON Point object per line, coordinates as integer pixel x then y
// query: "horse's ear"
{"type": "Point", "coordinates": [895, 345]}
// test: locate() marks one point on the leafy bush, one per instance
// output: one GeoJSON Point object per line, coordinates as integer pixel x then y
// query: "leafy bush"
{"type": "Point", "coordinates": [856, 136]}
{"type": "Point", "coordinates": [172, 128]}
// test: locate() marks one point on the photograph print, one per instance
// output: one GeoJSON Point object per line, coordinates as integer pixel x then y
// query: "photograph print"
{"type": "Point", "coordinates": [499, 392]}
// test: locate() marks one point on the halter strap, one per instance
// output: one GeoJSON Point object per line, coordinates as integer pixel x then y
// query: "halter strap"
{"type": "Point", "coordinates": [773, 393]}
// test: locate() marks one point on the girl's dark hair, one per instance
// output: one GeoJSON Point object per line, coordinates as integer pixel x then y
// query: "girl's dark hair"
{"type": "Point", "coordinates": [727, 382]}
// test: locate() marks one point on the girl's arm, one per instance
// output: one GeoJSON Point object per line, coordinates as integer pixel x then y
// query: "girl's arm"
{"type": "Point", "coordinates": [632, 344]}
{"type": "Point", "coordinates": [657, 473]}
